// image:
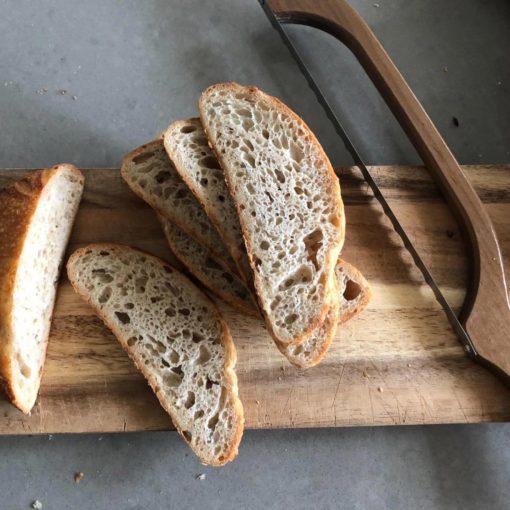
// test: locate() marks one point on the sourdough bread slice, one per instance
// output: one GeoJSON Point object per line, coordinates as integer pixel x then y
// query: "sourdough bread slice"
{"type": "Point", "coordinates": [175, 336]}
{"type": "Point", "coordinates": [187, 146]}
{"type": "Point", "coordinates": [288, 202]}
{"type": "Point", "coordinates": [152, 176]}
{"type": "Point", "coordinates": [36, 218]}
{"type": "Point", "coordinates": [354, 294]}
{"type": "Point", "coordinates": [205, 268]}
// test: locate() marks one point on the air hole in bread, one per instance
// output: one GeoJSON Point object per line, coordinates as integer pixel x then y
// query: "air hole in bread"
{"type": "Point", "coordinates": [174, 357]}
{"type": "Point", "coordinates": [291, 318]}
{"type": "Point", "coordinates": [204, 355]}
{"type": "Point", "coordinates": [264, 245]}
{"type": "Point", "coordinates": [102, 276]}
{"type": "Point", "coordinates": [204, 182]}
{"type": "Point", "coordinates": [162, 176]}
{"type": "Point", "coordinates": [249, 159]}
{"type": "Point", "coordinates": [187, 435]}
{"type": "Point", "coordinates": [140, 284]}
{"type": "Point", "coordinates": [170, 312]}
{"type": "Point", "coordinates": [105, 295]}
{"type": "Point", "coordinates": [209, 383]}
{"type": "Point", "coordinates": [123, 317]}
{"type": "Point", "coordinates": [190, 400]}
{"type": "Point", "coordinates": [313, 243]}
{"type": "Point", "coordinates": [131, 341]}
{"type": "Point", "coordinates": [197, 337]}
{"type": "Point", "coordinates": [188, 129]}
{"type": "Point", "coordinates": [352, 290]}
{"type": "Point", "coordinates": [184, 311]}
{"type": "Point", "coordinates": [279, 176]}
{"type": "Point", "coordinates": [129, 306]}
{"type": "Point", "coordinates": [213, 421]}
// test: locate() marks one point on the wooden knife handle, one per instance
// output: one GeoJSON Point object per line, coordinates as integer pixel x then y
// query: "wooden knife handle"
{"type": "Point", "coordinates": [486, 310]}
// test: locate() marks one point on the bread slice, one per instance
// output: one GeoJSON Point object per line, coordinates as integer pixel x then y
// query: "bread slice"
{"type": "Point", "coordinates": [187, 146]}
{"type": "Point", "coordinates": [205, 268]}
{"type": "Point", "coordinates": [36, 218]}
{"type": "Point", "coordinates": [151, 175]}
{"type": "Point", "coordinates": [354, 294]}
{"type": "Point", "coordinates": [288, 202]}
{"type": "Point", "coordinates": [175, 336]}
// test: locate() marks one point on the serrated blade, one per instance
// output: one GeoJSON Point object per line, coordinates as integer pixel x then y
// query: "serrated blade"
{"type": "Point", "coordinates": [450, 313]}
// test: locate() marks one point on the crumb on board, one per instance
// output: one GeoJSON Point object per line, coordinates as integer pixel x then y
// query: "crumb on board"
{"type": "Point", "coordinates": [201, 476]}
{"type": "Point", "coordinates": [78, 477]}
{"type": "Point", "coordinates": [409, 365]}
{"type": "Point", "coordinates": [380, 389]}
{"type": "Point", "coordinates": [365, 374]}
{"type": "Point", "coordinates": [37, 505]}
{"type": "Point", "coordinates": [257, 402]}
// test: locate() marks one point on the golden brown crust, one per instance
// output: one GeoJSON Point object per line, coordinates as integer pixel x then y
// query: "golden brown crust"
{"type": "Point", "coordinates": [333, 253]}
{"type": "Point", "coordinates": [230, 352]}
{"type": "Point", "coordinates": [17, 206]}
{"type": "Point", "coordinates": [127, 160]}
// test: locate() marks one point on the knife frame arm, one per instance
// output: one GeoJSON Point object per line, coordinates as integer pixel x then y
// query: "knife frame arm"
{"type": "Point", "coordinates": [485, 313]}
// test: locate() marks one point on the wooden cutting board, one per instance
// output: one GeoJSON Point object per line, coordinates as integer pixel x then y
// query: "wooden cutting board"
{"type": "Point", "coordinates": [398, 363]}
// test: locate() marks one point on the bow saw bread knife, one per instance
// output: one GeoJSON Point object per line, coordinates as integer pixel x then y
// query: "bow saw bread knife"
{"type": "Point", "coordinates": [484, 322]}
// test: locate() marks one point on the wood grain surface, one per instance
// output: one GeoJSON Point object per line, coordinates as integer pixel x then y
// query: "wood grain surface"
{"type": "Point", "coordinates": [398, 363]}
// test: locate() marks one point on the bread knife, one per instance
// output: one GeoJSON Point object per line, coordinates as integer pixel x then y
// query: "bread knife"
{"type": "Point", "coordinates": [483, 324]}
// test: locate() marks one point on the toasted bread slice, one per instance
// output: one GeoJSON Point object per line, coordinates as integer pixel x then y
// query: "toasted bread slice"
{"type": "Point", "coordinates": [175, 336]}
{"type": "Point", "coordinates": [187, 146]}
{"type": "Point", "coordinates": [205, 268]}
{"type": "Point", "coordinates": [152, 176]}
{"type": "Point", "coordinates": [36, 218]}
{"type": "Point", "coordinates": [288, 201]}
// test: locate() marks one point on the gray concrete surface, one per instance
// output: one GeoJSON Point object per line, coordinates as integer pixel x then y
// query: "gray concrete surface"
{"type": "Point", "coordinates": [86, 81]}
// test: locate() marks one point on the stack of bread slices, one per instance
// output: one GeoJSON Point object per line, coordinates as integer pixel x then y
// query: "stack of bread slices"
{"type": "Point", "coordinates": [251, 206]}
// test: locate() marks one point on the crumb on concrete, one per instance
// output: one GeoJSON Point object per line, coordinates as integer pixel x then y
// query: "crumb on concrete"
{"type": "Point", "coordinates": [377, 6]}
{"type": "Point", "coordinates": [201, 476]}
{"type": "Point", "coordinates": [78, 477]}
{"type": "Point", "coordinates": [455, 121]}
{"type": "Point", "coordinates": [74, 98]}
{"type": "Point", "coordinates": [445, 69]}
{"type": "Point", "coordinates": [62, 92]}
{"type": "Point", "coordinates": [37, 505]}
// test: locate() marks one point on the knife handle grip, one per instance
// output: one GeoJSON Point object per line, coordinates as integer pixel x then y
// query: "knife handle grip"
{"type": "Point", "coordinates": [486, 309]}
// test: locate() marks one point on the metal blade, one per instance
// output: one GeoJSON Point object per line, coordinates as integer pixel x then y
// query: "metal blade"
{"type": "Point", "coordinates": [450, 313]}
